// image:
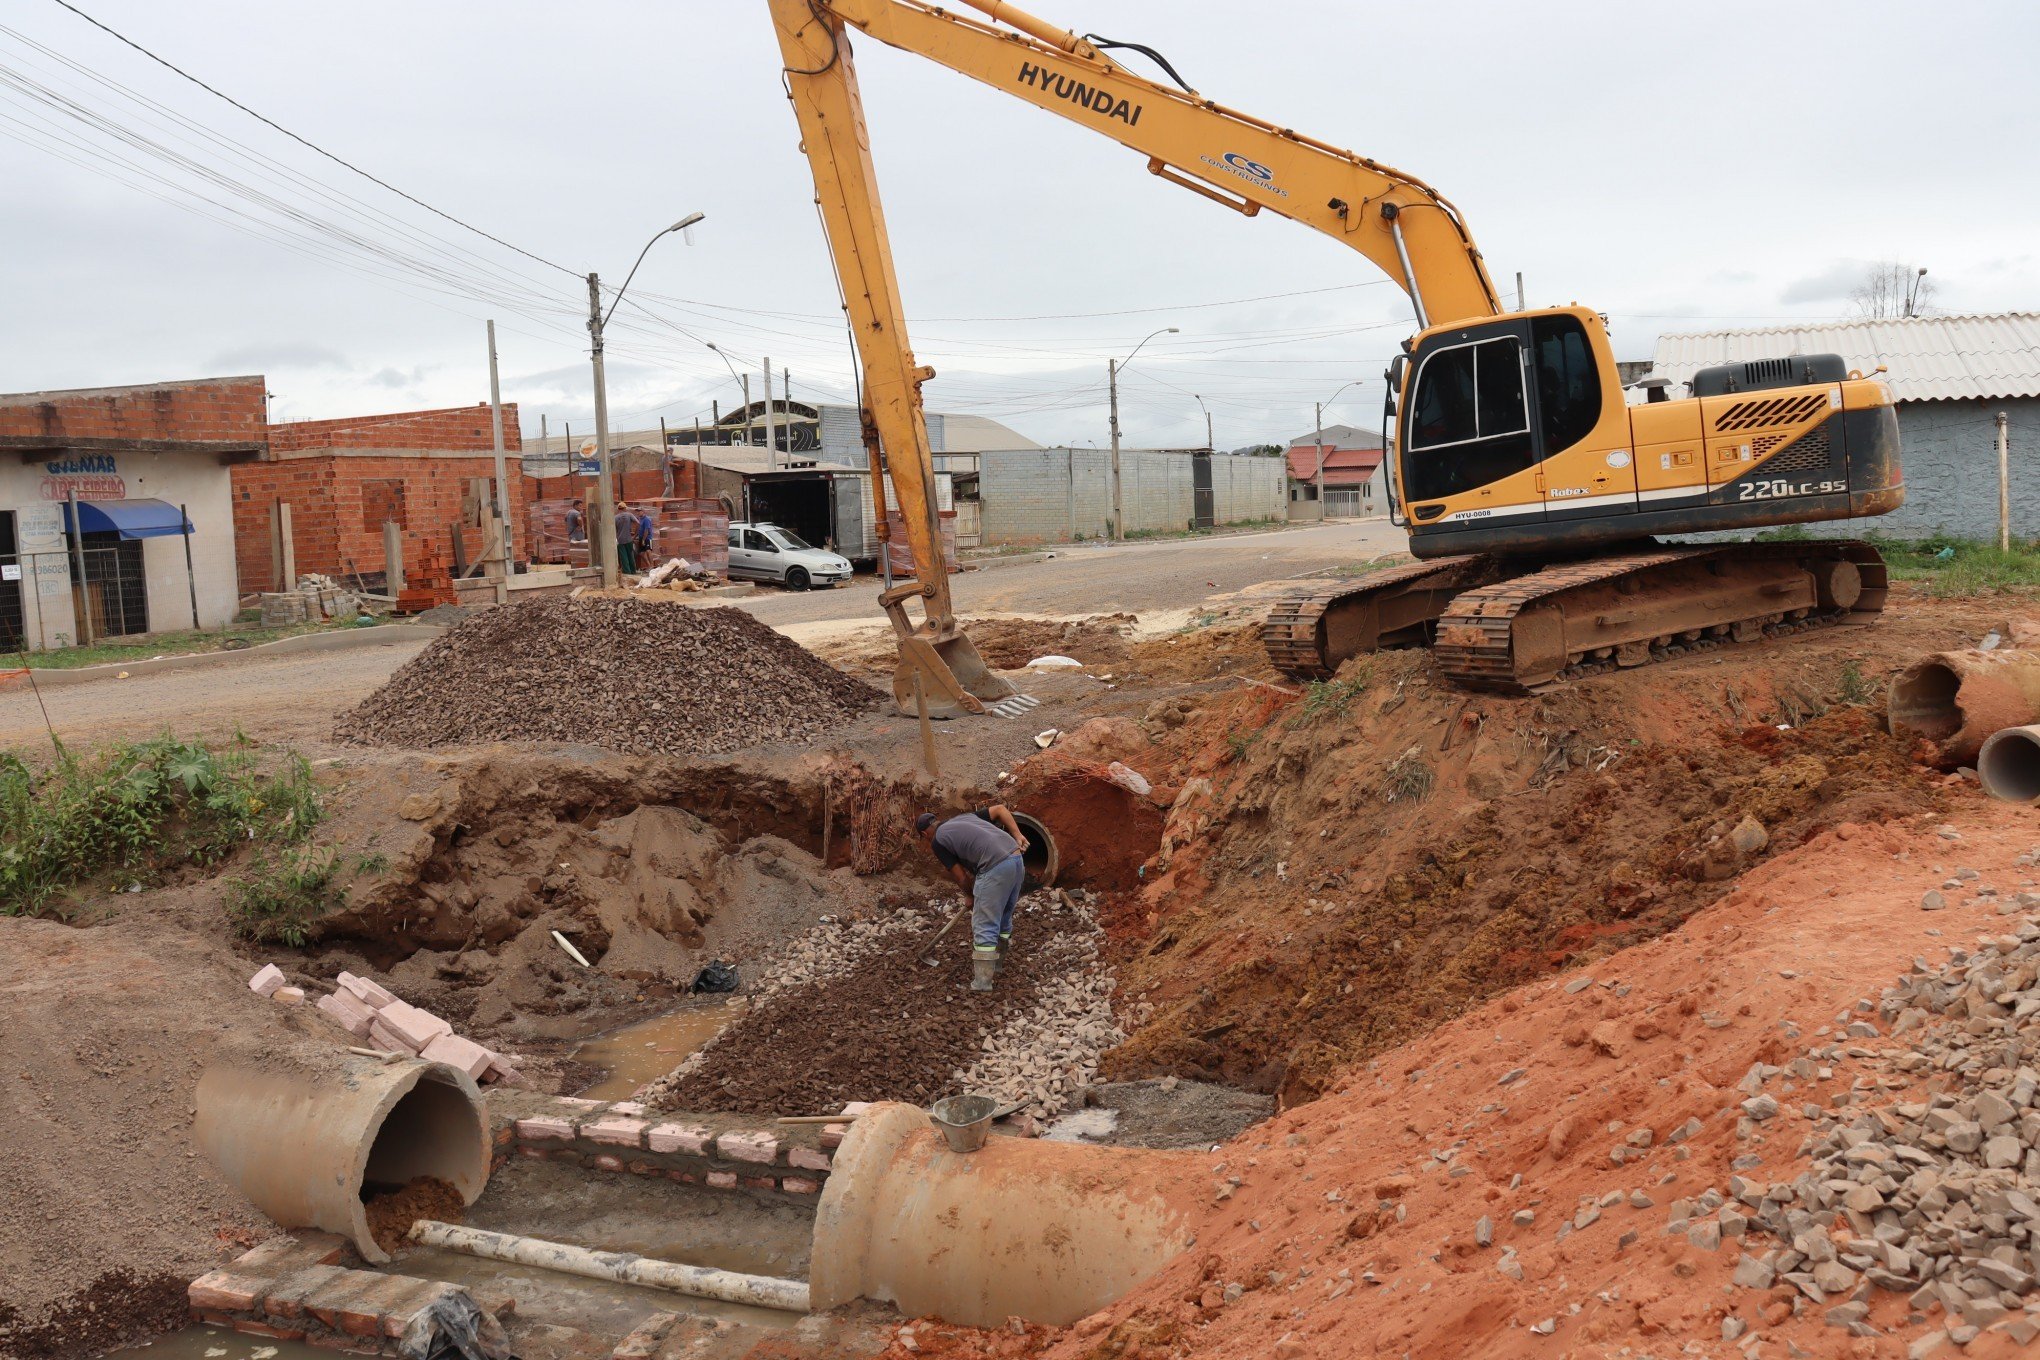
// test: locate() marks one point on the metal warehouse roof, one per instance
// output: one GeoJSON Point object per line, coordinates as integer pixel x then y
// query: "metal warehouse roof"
{"type": "Point", "coordinates": [1930, 358]}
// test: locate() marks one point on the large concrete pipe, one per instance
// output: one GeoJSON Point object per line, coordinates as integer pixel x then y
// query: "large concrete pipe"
{"type": "Point", "coordinates": [1955, 700]}
{"type": "Point", "coordinates": [307, 1134]}
{"type": "Point", "coordinates": [1049, 1232]}
{"type": "Point", "coordinates": [2009, 764]}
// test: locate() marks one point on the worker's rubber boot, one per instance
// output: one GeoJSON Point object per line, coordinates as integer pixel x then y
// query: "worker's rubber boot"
{"type": "Point", "coordinates": [984, 966]}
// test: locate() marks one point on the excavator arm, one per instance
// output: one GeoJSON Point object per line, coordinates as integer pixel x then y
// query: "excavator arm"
{"type": "Point", "coordinates": [1242, 162]}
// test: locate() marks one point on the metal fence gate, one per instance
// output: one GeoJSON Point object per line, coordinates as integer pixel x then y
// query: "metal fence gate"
{"type": "Point", "coordinates": [115, 595]}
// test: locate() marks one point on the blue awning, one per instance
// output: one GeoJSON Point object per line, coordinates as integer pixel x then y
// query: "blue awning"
{"type": "Point", "coordinates": [130, 519]}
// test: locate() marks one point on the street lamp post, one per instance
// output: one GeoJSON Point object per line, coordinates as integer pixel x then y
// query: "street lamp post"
{"type": "Point", "coordinates": [604, 536]}
{"type": "Point", "coordinates": [1208, 444]}
{"type": "Point", "coordinates": [1112, 367]}
{"type": "Point", "coordinates": [1318, 433]}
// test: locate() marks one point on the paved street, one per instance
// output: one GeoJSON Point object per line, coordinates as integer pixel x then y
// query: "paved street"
{"type": "Point", "coordinates": [1137, 577]}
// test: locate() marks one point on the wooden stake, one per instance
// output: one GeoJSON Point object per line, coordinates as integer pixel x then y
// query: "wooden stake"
{"type": "Point", "coordinates": [927, 729]}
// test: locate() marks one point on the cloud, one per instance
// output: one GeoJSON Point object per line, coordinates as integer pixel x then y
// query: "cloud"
{"type": "Point", "coordinates": [279, 355]}
{"type": "Point", "coordinates": [1833, 284]}
{"type": "Point", "coordinates": [397, 377]}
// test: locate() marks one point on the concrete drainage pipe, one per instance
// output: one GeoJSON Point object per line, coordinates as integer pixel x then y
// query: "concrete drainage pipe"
{"type": "Point", "coordinates": [2009, 765]}
{"type": "Point", "coordinates": [307, 1134]}
{"type": "Point", "coordinates": [1955, 700]}
{"type": "Point", "coordinates": [1049, 1232]}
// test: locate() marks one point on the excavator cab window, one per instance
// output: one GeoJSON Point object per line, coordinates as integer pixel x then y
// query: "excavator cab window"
{"type": "Point", "coordinates": [1469, 420]}
{"type": "Point", "coordinates": [1568, 383]}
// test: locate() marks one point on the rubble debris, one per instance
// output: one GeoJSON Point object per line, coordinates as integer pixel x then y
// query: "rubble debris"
{"type": "Point", "coordinates": [626, 674]}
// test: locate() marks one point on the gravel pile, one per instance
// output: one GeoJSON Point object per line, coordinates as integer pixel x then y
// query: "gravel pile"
{"type": "Point", "coordinates": [1937, 1196]}
{"type": "Point", "coordinates": [1043, 1058]}
{"type": "Point", "coordinates": [629, 675]}
{"type": "Point", "coordinates": [852, 1011]}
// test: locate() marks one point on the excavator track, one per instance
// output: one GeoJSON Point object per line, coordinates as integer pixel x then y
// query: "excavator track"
{"type": "Point", "coordinates": [1309, 634]}
{"type": "Point", "coordinates": [1524, 634]}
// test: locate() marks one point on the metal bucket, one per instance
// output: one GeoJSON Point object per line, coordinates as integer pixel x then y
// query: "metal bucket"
{"type": "Point", "coordinates": [965, 1121]}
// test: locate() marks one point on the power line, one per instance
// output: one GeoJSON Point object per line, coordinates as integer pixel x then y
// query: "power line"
{"type": "Point", "coordinates": [311, 145]}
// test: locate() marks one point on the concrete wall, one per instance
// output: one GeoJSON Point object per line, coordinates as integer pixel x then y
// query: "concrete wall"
{"type": "Point", "coordinates": [1056, 495]}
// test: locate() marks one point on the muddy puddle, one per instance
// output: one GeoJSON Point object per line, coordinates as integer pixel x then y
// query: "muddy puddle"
{"type": "Point", "coordinates": [212, 1343]}
{"type": "Point", "coordinates": [651, 1048]}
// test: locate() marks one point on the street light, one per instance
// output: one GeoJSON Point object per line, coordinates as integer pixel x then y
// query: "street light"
{"type": "Point", "coordinates": [604, 539]}
{"type": "Point", "coordinates": [1209, 446]}
{"type": "Point", "coordinates": [743, 382]}
{"type": "Point", "coordinates": [1112, 367]}
{"type": "Point", "coordinates": [1318, 433]}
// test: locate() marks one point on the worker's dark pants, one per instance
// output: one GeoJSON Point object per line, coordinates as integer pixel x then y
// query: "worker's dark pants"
{"type": "Point", "coordinates": [626, 557]}
{"type": "Point", "coordinates": [993, 896]}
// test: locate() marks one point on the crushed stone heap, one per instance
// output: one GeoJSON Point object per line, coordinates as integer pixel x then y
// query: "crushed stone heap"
{"type": "Point", "coordinates": [630, 675]}
{"type": "Point", "coordinates": [1935, 1196]}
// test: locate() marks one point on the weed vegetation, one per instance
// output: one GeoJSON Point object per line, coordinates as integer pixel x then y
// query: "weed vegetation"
{"type": "Point", "coordinates": [131, 813]}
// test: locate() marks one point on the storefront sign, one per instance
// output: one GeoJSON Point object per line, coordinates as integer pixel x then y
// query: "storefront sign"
{"type": "Point", "coordinates": [10, 571]}
{"type": "Point", "coordinates": [39, 529]}
{"type": "Point", "coordinates": [90, 476]}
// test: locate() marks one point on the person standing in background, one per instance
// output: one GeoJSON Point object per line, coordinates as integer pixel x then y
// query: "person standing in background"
{"type": "Point", "coordinates": [626, 528]}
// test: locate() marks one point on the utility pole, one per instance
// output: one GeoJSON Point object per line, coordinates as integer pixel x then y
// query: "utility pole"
{"type": "Point", "coordinates": [1208, 442]}
{"type": "Point", "coordinates": [1318, 433]}
{"type": "Point", "coordinates": [602, 533]}
{"type": "Point", "coordinates": [1519, 290]}
{"type": "Point", "coordinates": [2004, 452]}
{"type": "Point", "coordinates": [1118, 506]}
{"type": "Point", "coordinates": [748, 441]}
{"type": "Point", "coordinates": [771, 456]}
{"type": "Point", "coordinates": [502, 469]}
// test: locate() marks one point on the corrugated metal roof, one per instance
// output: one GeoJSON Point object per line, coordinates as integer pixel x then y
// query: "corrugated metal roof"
{"type": "Point", "coordinates": [1929, 358]}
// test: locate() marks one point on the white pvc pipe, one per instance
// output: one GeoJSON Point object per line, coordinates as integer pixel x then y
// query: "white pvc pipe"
{"type": "Point", "coordinates": [703, 1282]}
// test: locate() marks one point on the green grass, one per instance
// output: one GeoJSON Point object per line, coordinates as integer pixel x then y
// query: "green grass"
{"type": "Point", "coordinates": [1950, 567]}
{"type": "Point", "coordinates": [279, 897]}
{"type": "Point", "coordinates": [1407, 779]}
{"type": "Point", "coordinates": [134, 811]}
{"type": "Point", "coordinates": [181, 643]}
{"type": "Point", "coordinates": [1329, 698]}
{"type": "Point", "coordinates": [1244, 526]}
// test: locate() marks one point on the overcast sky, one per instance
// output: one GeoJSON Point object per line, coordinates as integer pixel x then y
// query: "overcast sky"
{"type": "Point", "coordinates": [1689, 168]}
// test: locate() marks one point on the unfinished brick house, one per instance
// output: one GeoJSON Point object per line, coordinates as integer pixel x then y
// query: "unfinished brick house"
{"type": "Point", "coordinates": [344, 478]}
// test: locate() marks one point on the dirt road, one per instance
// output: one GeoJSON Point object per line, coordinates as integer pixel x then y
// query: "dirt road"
{"type": "Point", "coordinates": [294, 698]}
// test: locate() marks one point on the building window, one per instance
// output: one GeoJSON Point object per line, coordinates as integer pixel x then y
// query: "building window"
{"type": "Point", "coordinates": [382, 500]}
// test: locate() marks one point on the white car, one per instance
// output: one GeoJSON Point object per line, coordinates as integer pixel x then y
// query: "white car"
{"type": "Point", "coordinates": [766, 552]}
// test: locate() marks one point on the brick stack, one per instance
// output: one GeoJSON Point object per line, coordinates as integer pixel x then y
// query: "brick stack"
{"type": "Point", "coordinates": [372, 1013]}
{"type": "Point", "coordinates": [721, 1152]}
{"type": "Point", "coordinates": [295, 1289]}
{"type": "Point", "coordinates": [696, 529]}
{"type": "Point", "coordinates": [428, 581]}
{"type": "Point", "coordinates": [903, 553]}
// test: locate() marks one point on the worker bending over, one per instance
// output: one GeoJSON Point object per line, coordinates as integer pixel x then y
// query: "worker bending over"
{"type": "Point", "coordinates": [982, 852]}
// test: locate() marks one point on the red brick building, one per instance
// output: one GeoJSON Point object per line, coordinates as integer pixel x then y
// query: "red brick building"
{"type": "Point", "coordinates": [344, 478]}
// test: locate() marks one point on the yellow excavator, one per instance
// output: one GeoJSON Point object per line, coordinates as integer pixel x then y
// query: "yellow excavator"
{"type": "Point", "coordinates": [1531, 488]}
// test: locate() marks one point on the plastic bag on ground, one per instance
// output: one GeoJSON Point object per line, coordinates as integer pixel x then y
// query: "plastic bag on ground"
{"type": "Point", "coordinates": [717, 977]}
{"type": "Point", "coordinates": [453, 1327]}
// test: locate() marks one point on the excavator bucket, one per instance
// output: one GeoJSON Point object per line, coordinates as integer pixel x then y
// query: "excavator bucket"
{"type": "Point", "coordinates": [954, 679]}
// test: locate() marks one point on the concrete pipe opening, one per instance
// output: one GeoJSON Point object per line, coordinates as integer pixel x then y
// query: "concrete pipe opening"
{"type": "Point", "coordinates": [1040, 858]}
{"type": "Point", "coordinates": [310, 1135]}
{"type": "Point", "coordinates": [1049, 1232]}
{"type": "Point", "coordinates": [2009, 765]}
{"type": "Point", "coordinates": [1956, 700]}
